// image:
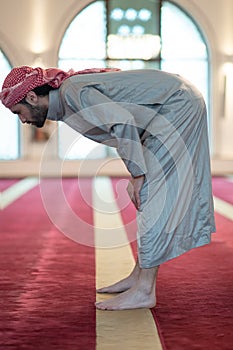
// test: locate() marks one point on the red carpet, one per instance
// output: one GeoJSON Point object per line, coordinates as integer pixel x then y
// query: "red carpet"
{"type": "Point", "coordinates": [6, 183]}
{"type": "Point", "coordinates": [223, 189]}
{"type": "Point", "coordinates": [47, 281]}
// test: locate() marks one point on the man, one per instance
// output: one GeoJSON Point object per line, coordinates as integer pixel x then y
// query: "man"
{"type": "Point", "coordinates": [157, 122]}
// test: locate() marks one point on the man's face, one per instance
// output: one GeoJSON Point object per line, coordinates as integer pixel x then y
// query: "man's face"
{"type": "Point", "coordinates": [34, 115]}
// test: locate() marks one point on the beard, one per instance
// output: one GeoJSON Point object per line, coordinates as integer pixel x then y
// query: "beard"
{"type": "Point", "coordinates": [39, 115]}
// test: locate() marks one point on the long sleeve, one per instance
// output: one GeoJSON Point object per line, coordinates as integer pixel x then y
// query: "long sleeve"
{"type": "Point", "coordinates": [92, 109]}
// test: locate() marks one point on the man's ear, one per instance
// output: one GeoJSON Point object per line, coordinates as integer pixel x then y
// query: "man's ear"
{"type": "Point", "coordinates": [31, 98]}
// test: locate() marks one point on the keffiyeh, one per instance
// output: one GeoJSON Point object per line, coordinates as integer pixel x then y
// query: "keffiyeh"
{"type": "Point", "coordinates": [23, 79]}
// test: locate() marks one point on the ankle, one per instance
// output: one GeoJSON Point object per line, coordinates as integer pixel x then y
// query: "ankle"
{"type": "Point", "coordinates": [136, 272]}
{"type": "Point", "coordinates": [146, 288]}
{"type": "Point", "coordinates": [147, 280]}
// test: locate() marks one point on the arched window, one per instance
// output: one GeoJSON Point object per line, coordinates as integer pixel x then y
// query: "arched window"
{"type": "Point", "coordinates": [9, 125]}
{"type": "Point", "coordinates": [127, 35]}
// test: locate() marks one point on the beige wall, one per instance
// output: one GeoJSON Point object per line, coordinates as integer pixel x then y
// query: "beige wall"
{"type": "Point", "coordinates": [31, 32]}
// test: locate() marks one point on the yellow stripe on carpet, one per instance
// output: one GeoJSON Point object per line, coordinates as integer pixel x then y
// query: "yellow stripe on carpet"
{"type": "Point", "coordinates": [16, 191]}
{"type": "Point", "coordinates": [223, 208]}
{"type": "Point", "coordinates": [128, 329]}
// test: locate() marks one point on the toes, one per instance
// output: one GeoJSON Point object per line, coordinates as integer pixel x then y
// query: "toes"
{"type": "Point", "coordinates": [100, 306]}
{"type": "Point", "coordinates": [102, 290]}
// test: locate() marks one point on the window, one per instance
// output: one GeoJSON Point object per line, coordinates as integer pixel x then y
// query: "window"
{"type": "Point", "coordinates": [9, 124]}
{"type": "Point", "coordinates": [127, 35]}
{"type": "Point", "coordinates": [184, 50]}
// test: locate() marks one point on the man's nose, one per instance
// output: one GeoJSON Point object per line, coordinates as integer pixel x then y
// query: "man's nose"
{"type": "Point", "coordinates": [22, 119]}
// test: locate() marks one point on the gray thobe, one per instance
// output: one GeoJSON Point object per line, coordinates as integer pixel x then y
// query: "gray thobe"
{"type": "Point", "coordinates": [157, 122]}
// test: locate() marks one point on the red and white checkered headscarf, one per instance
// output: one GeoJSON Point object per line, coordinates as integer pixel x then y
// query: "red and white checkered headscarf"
{"type": "Point", "coordinates": [23, 79]}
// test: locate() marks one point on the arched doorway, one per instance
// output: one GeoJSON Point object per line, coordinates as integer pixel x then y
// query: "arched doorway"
{"type": "Point", "coordinates": [123, 34]}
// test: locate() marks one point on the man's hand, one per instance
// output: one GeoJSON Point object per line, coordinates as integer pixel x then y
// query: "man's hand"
{"type": "Point", "coordinates": [133, 189]}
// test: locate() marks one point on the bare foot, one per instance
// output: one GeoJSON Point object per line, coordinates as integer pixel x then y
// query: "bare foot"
{"type": "Point", "coordinates": [134, 298]}
{"type": "Point", "coordinates": [120, 286]}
